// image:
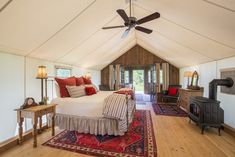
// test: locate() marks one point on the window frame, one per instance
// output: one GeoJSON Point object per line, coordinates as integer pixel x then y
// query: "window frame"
{"type": "Point", "coordinates": [125, 72]}
{"type": "Point", "coordinates": [161, 79]}
{"type": "Point", "coordinates": [57, 67]}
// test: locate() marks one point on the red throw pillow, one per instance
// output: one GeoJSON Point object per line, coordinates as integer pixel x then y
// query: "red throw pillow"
{"type": "Point", "coordinates": [79, 81]}
{"type": "Point", "coordinates": [71, 81]}
{"type": "Point", "coordinates": [87, 81]}
{"type": "Point", "coordinates": [90, 90]}
{"type": "Point", "coordinates": [172, 91]}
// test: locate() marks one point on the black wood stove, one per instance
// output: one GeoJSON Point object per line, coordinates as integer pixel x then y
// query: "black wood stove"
{"type": "Point", "coordinates": [207, 111]}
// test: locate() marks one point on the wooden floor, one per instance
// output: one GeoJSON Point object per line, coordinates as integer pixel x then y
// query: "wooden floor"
{"type": "Point", "coordinates": [175, 137]}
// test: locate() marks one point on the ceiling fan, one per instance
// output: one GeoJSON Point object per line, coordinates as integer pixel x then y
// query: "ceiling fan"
{"type": "Point", "coordinates": [132, 22]}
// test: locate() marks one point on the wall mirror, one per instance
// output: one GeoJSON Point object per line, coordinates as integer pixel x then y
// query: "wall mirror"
{"type": "Point", "coordinates": [194, 81]}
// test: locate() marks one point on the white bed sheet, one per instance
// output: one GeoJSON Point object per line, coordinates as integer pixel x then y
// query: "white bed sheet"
{"type": "Point", "coordinates": [91, 106]}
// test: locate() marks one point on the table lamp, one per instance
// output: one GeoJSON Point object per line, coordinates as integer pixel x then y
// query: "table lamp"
{"type": "Point", "coordinates": [41, 75]}
{"type": "Point", "coordinates": [88, 76]}
{"type": "Point", "coordinates": [188, 74]}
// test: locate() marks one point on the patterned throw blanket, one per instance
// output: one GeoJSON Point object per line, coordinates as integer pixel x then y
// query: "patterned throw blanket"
{"type": "Point", "coordinates": [126, 91]}
{"type": "Point", "coordinates": [115, 106]}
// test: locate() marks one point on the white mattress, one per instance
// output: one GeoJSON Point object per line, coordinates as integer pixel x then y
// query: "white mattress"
{"type": "Point", "coordinates": [91, 106]}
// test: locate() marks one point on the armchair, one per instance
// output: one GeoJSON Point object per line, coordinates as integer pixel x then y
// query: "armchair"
{"type": "Point", "coordinates": [171, 94]}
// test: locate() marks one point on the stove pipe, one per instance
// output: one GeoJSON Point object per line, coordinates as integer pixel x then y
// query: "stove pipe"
{"type": "Point", "coordinates": [228, 82]}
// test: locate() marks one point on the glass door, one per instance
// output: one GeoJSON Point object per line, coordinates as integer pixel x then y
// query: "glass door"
{"type": "Point", "coordinates": [138, 80]}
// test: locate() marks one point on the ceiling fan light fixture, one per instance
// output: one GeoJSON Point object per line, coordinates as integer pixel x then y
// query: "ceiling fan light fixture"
{"type": "Point", "coordinates": [132, 22]}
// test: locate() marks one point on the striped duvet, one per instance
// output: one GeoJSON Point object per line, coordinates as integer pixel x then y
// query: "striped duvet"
{"type": "Point", "coordinates": [115, 107]}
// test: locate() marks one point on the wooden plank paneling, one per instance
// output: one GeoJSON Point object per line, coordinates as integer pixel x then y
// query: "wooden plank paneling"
{"type": "Point", "coordinates": [139, 57]}
{"type": "Point", "coordinates": [105, 76]}
{"type": "Point", "coordinates": [174, 75]}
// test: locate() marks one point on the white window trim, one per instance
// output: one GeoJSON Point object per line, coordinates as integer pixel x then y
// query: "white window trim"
{"type": "Point", "coordinates": [63, 67]}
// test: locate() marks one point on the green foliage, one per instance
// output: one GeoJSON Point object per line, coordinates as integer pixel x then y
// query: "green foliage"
{"type": "Point", "coordinates": [138, 78]}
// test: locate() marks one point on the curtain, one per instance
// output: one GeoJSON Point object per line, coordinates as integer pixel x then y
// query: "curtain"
{"type": "Point", "coordinates": [158, 68]}
{"type": "Point", "coordinates": [122, 71]}
{"type": "Point", "coordinates": [118, 75]}
{"type": "Point", "coordinates": [165, 72]}
{"type": "Point", "coordinates": [111, 77]}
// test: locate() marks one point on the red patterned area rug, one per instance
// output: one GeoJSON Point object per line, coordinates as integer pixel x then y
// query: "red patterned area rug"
{"type": "Point", "coordinates": [139, 141]}
{"type": "Point", "coordinates": [168, 110]}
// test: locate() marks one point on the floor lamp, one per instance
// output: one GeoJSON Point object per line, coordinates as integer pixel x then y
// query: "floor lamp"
{"type": "Point", "coordinates": [42, 75]}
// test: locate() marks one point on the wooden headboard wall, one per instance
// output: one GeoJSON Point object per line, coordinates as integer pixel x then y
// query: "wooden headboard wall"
{"type": "Point", "coordinates": [139, 57]}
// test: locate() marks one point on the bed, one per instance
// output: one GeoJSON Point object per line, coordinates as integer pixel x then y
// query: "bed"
{"type": "Point", "coordinates": [86, 114]}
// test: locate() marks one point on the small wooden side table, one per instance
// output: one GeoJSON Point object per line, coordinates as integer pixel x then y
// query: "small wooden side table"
{"type": "Point", "coordinates": [35, 113]}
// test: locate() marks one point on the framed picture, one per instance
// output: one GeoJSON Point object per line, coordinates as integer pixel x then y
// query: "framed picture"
{"type": "Point", "coordinates": [29, 102]}
{"type": "Point", "coordinates": [228, 73]}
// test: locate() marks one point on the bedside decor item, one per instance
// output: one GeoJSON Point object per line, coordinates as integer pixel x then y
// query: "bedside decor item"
{"type": "Point", "coordinates": [42, 75]}
{"type": "Point", "coordinates": [29, 102]}
{"type": "Point", "coordinates": [188, 74]}
{"type": "Point", "coordinates": [45, 100]}
{"type": "Point", "coordinates": [194, 81]}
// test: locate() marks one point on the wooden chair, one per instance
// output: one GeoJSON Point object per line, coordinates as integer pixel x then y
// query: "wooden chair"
{"type": "Point", "coordinates": [171, 98]}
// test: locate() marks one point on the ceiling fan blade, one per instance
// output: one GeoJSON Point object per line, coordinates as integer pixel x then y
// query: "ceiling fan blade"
{"type": "Point", "coordinates": [148, 18]}
{"type": "Point", "coordinates": [142, 29]}
{"type": "Point", "coordinates": [126, 33]}
{"type": "Point", "coordinates": [123, 14]}
{"type": "Point", "coordinates": [111, 27]}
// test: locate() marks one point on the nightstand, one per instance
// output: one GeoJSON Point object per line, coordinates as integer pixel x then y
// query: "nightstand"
{"type": "Point", "coordinates": [35, 113]}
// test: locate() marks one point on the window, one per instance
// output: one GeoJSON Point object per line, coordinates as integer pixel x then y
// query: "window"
{"type": "Point", "coordinates": [63, 71]}
{"type": "Point", "coordinates": [161, 77]}
{"type": "Point", "coordinates": [154, 76]}
{"type": "Point", "coordinates": [127, 76]}
{"type": "Point", "coordinates": [149, 76]}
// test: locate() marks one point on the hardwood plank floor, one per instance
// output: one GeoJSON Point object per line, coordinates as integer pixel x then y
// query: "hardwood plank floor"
{"type": "Point", "coordinates": [175, 137]}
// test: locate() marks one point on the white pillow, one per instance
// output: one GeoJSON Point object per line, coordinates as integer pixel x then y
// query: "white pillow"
{"type": "Point", "coordinates": [76, 91]}
{"type": "Point", "coordinates": [57, 90]}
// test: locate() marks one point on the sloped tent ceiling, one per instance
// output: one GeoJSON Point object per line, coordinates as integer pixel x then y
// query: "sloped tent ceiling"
{"type": "Point", "coordinates": [188, 32]}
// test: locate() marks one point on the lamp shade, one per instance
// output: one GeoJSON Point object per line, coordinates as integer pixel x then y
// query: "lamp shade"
{"type": "Point", "coordinates": [42, 72]}
{"type": "Point", "coordinates": [88, 76]}
{"type": "Point", "coordinates": [188, 74]}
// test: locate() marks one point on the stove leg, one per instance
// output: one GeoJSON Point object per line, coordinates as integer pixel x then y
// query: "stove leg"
{"type": "Point", "coordinates": [222, 127]}
{"type": "Point", "coordinates": [203, 127]}
{"type": "Point", "coordinates": [219, 131]}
